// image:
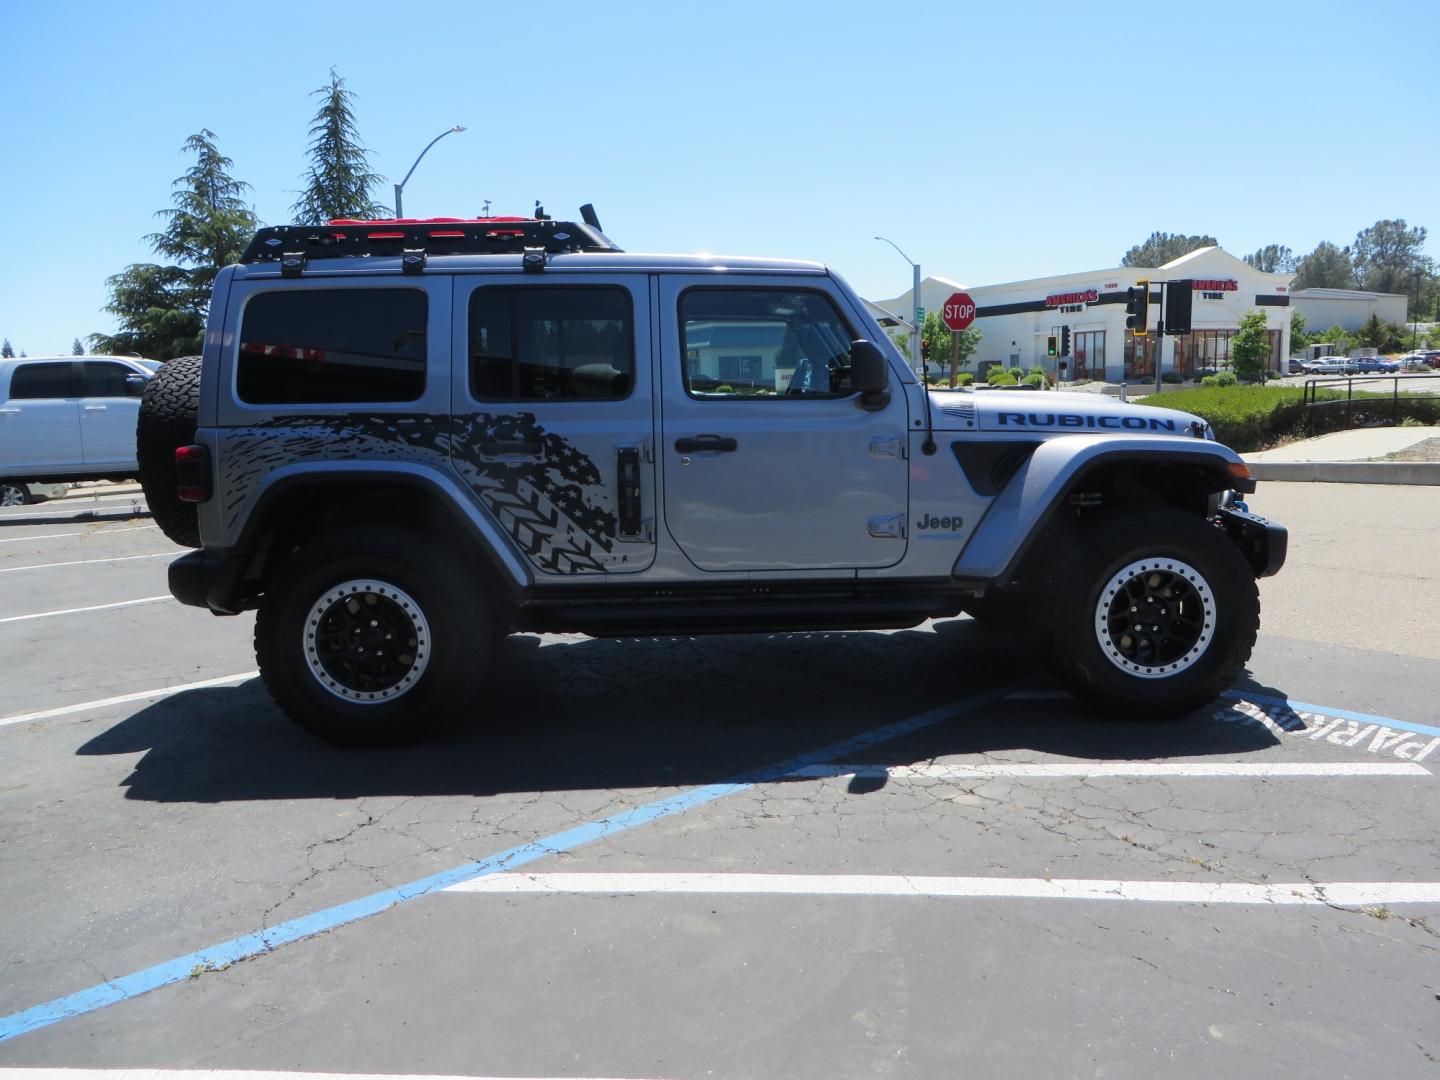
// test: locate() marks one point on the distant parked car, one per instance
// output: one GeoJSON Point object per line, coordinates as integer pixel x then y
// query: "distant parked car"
{"type": "Point", "coordinates": [153, 365]}
{"type": "Point", "coordinates": [1421, 361]}
{"type": "Point", "coordinates": [1296, 366]}
{"type": "Point", "coordinates": [1372, 365]}
{"type": "Point", "coordinates": [1327, 365]}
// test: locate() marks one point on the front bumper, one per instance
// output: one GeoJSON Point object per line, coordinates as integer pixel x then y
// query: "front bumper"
{"type": "Point", "coordinates": [1262, 542]}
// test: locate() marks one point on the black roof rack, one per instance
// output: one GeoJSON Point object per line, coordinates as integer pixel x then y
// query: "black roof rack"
{"type": "Point", "coordinates": [345, 238]}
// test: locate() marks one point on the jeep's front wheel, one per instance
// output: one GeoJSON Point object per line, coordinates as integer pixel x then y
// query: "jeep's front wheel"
{"type": "Point", "coordinates": [1158, 617]}
{"type": "Point", "coordinates": [373, 638]}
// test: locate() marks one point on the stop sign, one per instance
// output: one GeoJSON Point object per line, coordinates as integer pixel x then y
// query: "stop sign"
{"type": "Point", "coordinates": [959, 311]}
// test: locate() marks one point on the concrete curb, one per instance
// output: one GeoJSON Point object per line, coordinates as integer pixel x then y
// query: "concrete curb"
{"type": "Point", "coordinates": [1349, 472]}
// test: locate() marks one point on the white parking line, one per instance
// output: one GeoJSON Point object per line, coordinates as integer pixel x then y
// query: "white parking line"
{"type": "Point", "coordinates": [90, 532]}
{"type": "Point", "coordinates": [139, 695]}
{"type": "Point", "coordinates": [87, 562]}
{"type": "Point", "coordinates": [237, 1074]}
{"type": "Point", "coordinates": [1336, 893]}
{"type": "Point", "coordinates": [78, 610]}
{"type": "Point", "coordinates": [1140, 769]}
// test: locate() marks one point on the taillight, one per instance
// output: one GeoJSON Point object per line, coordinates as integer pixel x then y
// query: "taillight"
{"type": "Point", "coordinates": [193, 481]}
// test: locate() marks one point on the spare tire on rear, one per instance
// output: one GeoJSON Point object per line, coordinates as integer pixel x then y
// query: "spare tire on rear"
{"type": "Point", "coordinates": [167, 421]}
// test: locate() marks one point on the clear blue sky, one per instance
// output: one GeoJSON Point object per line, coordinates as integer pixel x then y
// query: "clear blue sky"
{"type": "Point", "coordinates": [991, 141]}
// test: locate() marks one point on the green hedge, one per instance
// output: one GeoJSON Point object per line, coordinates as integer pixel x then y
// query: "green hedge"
{"type": "Point", "coordinates": [1249, 418]}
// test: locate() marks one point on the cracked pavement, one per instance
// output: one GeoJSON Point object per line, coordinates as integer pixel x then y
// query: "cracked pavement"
{"type": "Point", "coordinates": [142, 832]}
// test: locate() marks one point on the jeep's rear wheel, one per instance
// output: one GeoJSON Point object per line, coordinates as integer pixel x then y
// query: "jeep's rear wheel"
{"type": "Point", "coordinates": [167, 420]}
{"type": "Point", "coordinates": [1158, 617]}
{"type": "Point", "coordinates": [373, 638]}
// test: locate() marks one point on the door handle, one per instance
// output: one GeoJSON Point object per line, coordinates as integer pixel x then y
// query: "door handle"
{"type": "Point", "coordinates": [95, 408]}
{"type": "Point", "coordinates": [511, 448]}
{"type": "Point", "coordinates": [10, 412]}
{"type": "Point", "coordinates": [706, 444]}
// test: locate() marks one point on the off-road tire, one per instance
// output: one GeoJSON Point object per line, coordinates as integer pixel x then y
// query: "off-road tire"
{"type": "Point", "coordinates": [1164, 539]}
{"type": "Point", "coordinates": [167, 420]}
{"type": "Point", "coordinates": [452, 609]}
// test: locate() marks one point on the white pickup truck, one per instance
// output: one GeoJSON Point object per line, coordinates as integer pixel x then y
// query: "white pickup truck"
{"type": "Point", "coordinates": [67, 418]}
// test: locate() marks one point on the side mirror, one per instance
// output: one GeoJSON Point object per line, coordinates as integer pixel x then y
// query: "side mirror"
{"type": "Point", "coordinates": [135, 385]}
{"type": "Point", "coordinates": [870, 374]}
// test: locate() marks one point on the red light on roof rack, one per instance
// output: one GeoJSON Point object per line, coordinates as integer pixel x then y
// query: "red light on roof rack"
{"type": "Point", "coordinates": [385, 236]}
{"type": "Point", "coordinates": [447, 234]}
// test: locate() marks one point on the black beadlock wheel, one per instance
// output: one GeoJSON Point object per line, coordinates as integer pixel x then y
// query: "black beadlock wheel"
{"type": "Point", "coordinates": [374, 636]}
{"type": "Point", "coordinates": [1157, 617]}
{"type": "Point", "coordinates": [167, 420]}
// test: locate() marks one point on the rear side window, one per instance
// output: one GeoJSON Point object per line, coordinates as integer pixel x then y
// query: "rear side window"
{"type": "Point", "coordinates": [545, 342]}
{"type": "Point", "coordinates": [105, 380]}
{"type": "Point", "coordinates": [59, 380]}
{"type": "Point", "coordinates": [312, 346]}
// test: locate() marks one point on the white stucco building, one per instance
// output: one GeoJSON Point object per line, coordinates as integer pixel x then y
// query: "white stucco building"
{"type": "Point", "coordinates": [1016, 318]}
{"type": "Point", "coordinates": [1347, 308]}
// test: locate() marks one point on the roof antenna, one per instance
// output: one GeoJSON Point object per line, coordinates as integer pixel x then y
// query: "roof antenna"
{"type": "Point", "coordinates": [485, 211]}
{"type": "Point", "coordinates": [540, 212]}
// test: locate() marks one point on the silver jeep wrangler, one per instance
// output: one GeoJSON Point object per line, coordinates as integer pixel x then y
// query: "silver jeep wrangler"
{"type": "Point", "coordinates": [407, 439]}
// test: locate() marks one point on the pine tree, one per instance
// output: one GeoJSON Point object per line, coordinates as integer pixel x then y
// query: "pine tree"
{"type": "Point", "coordinates": [77, 349]}
{"type": "Point", "coordinates": [339, 181]}
{"type": "Point", "coordinates": [162, 309]}
{"type": "Point", "coordinates": [7, 351]}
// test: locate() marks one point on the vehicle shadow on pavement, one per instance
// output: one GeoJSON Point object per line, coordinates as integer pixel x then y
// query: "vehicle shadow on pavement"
{"type": "Point", "coordinates": [84, 517]}
{"type": "Point", "coordinates": [587, 714]}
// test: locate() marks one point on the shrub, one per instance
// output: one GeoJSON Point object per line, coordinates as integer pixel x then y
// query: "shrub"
{"type": "Point", "coordinates": [724, 388]}
{"type": "Point", "coordinates": [1016, 373]}
{"type": "Point", "coordinates": [965, 378]}
{"type": "Point", "coordinates": [1210, 380]}
{"type": "Point", "coordinates": [1171, 377]}
{"type": "Point", "coordinates": [1001, 378]}
{"type": "Point", "coordinates": [991, 370]}
{"type": "Point", "coordinates": [1225, 378]}
{"type": "Point", "coordinates": [1036, 378]}
{"type": "Point", "coordinates": [1249, 417]}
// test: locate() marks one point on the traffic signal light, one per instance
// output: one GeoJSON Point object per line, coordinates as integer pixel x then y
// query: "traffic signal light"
{"type": "Point", "coordinates": [1064, 341]}
{"type": "Point", "coordinates": [1052, 346]}
{"type": "Point", "coordinates": [1137, 309]}
{"type": "Point", "coordinates": [924, 349]}
{"type": "Point", "coordinates": [1178, 297]}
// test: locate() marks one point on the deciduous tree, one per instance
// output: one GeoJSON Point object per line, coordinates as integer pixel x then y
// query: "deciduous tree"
{"type": "Point", "coordinates": [339, 181]}
{"type": "Point", "coordinates": [1272, 259]}
{"type": "Point", "coordinates": [1250, 347]}
{"type": "Point", "coordinates": [1327, 267]}
{"type": "Point", "coordinates": [1162, 248]}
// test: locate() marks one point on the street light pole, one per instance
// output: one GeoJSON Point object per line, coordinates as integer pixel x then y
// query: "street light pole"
{"type": "Point", "coordinates": [400, 187]}
{"type": "Point", "coordinates": [915, 326]}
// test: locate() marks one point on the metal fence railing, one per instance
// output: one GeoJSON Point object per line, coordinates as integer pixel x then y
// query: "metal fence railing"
{"type": "Point", "coordinates": [1363, 406]}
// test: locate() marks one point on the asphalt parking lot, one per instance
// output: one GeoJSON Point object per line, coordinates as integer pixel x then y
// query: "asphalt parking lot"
{"type": "Point", "coordinates": [840, 854]}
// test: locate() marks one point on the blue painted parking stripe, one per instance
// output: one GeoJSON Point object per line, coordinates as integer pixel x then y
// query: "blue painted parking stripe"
{"type": "Point", "coordinates": [1326, 710]}
{"type": "Point", "coordinates": [216, 957]}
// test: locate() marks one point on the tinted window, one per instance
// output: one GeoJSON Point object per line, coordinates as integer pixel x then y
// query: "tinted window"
{"type": "Point", "coordinates": [309, 346]}
{"type": "Point", "coordinates": [105, 380]}
{"type": "Point", "coordinates": [60, 380]}
{"type": "Point", "coordinates": [531, 344]}
{"type": "Point", "coordinates": [764, 343]}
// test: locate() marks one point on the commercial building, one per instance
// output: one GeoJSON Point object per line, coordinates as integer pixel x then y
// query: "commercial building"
{"type": "Point", "coordinates": [1348, 309]}
{"type": "Point", "coordinates": [1016, 319]}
